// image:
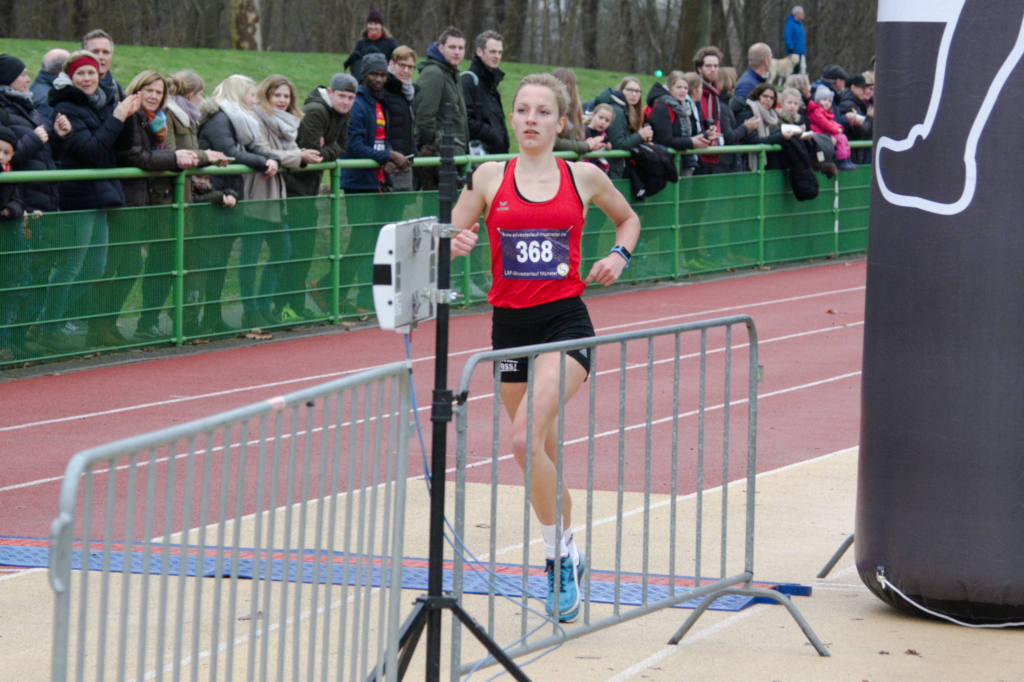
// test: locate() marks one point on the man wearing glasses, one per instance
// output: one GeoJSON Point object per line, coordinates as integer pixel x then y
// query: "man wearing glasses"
{"type": "Point", "coordinates": [397, 96]}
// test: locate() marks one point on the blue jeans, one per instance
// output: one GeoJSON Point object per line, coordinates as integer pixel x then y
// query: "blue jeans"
{"type": "Point", "coordinates": [82, 256]}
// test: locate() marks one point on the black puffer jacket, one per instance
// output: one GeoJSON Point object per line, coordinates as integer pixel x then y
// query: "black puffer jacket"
{"type": "Point", "coordinates": [91, 144]}
{"type": "Point", "coordinates": [483, 106]}
{"type": "Point", "coordinates": [32, 154]}
{"type": "Point", "coordinates": [364, 46]}
{"type": "Point", "coordinates": [401, 124]}
{"type": "Point", "coordinates": [217, 132]}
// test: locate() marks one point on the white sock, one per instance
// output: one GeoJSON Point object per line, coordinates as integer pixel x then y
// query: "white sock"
{"type": "Point", "coordinates": [568, 543]}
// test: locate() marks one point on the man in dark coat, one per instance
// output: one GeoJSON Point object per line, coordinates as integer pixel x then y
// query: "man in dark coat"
{"type": "Point", "coordinates": [483, 102]}
{"type": "Point", "coordinates": [439, 85]}
{"type": "Point", "coordinates": [856, 98]}
{"type": "Point", "coordinates": [53, 62]}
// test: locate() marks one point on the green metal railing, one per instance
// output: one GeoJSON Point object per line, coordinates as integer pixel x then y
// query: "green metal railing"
{"type": "Point", "coordinates": [699, 225]}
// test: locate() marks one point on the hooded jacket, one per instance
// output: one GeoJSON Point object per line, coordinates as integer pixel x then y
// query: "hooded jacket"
{"type": "Point", "coordinates": [322, 128]}
{"type": "Point", "coordinates": [439, 84]}
{"type": "Point", "coordinates": [483, 106]}
{"type": "Point", "coordinates": [618, 132]}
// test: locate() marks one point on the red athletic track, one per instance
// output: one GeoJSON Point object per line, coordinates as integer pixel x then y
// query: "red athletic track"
{"type": "Point", "coordinates": [809, 322]}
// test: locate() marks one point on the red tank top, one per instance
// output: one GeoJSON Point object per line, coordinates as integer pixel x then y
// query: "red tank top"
{"type": "Point", "coordinates": [535, 245]}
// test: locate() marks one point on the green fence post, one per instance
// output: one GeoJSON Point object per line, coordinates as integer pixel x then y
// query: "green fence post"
{"type": "Point", "coordinates": [835, 217]}
{"type": "Point", "coordinates": [335, 241]}
{"type": "Point", "coordinates": [762, 161]}
{"type": "Point", "coordinates": [177, 330]}
{"type": "Point", "coordinates": [676, 260]}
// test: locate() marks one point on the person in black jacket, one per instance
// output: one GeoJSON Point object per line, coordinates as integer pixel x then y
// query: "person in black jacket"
{"type": "Point", "coordinates": [96, 122]}
{"type": "Point", "coordinates": [670, 114]}
{"type": "Point", "coordinates": [39, 143]}
{"type": "Point", "coordinates": [483, 102]}
{"type": "Point", "coordinates": [856, 99]}
{"type": "Point", "coordinates": [229, 126]}
{"type": "Point", "coordinates": [375, 38]}
{"type": "Point", "coordinates": [13, 263]}
{"type": "Point", "coordinates": [398, 96]}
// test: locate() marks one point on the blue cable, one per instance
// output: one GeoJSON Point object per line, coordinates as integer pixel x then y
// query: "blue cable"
{"type": "Point", "coordinates": [457, 545]}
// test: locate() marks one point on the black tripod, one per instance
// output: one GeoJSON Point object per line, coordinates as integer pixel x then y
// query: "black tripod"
{"type": "Point", "coordinates": [427, 611]}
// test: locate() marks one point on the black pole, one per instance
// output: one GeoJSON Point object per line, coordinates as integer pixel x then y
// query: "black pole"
{"type": "Point", "coordinates": [428, 608]}
{"type": "Point", "coordinates": [441, 411]}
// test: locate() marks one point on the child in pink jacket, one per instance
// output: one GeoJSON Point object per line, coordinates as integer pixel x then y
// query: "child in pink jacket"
{"type": "Point", "coordinates": [822, 120]}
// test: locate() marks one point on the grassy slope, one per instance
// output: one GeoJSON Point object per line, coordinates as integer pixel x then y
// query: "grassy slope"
{"type": "Point", "coordinates": [307, 70]}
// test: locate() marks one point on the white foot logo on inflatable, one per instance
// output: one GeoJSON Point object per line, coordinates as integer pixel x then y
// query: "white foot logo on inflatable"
{"type": "Point", "coordinates": [948, 12]}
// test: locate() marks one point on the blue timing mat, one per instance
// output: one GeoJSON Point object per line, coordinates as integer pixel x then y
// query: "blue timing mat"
{"type": "Point", "coordinates": [338, 569]}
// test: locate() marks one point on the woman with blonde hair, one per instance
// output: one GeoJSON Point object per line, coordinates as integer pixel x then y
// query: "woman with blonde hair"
{"type": "Point", "coordinates": [228, 125]}
{"type": "Point", "coordinates": [536, 299]}
{"type": "Point", "coordinates": [279, 116]}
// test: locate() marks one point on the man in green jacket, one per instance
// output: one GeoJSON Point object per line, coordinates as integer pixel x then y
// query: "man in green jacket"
{"type": "Point", "coordinates": [438, 85]}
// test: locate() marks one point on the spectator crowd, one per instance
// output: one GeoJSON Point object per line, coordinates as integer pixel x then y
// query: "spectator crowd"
{"type": "Point", "coordinates": [60, 280]}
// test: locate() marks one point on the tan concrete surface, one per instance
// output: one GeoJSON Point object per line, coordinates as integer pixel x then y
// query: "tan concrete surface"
{"type": "Point", "coordinates": [803, 514]}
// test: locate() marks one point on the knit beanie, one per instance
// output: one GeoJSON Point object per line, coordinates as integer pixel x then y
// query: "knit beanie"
{"type": "Point", "coordinates": [822, 94]}
{"type": "Point", "coordinates": [10, 68]}
{"type": "Point", "coordinates": [371, 62]}
{"type": "Point", "coordinates": [7, 135]}
{"type": "Point", "coordinates": [343, 81]}
{"type": "Point", "coordinates": [375, 17]}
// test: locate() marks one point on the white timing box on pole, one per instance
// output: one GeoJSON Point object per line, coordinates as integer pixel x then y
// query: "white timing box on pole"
{"type": "Point", "coordinates": [405, 273]}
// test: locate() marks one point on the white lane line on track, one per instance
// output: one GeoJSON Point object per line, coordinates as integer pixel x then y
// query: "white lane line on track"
{"type": "Point", "coordinates": [486, 396]}
{"type": "Point", "coordinates": [425, 358]}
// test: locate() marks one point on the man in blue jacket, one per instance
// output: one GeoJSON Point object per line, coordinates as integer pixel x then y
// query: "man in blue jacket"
{"type": "Point", "coordinates": [367, 131]}
{"type": "Point", "coordinates": [794, 38]}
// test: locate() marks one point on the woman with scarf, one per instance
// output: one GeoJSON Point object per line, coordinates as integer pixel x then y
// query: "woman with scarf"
{"type": "Point", "coordinates": [143, 143]}
{"type": "Point", "coordinates": [185, 95]}
{"type": "Point", "coordinates": [96, 123]}
{"type": "Point", "coordinates": [670, 115]}
{"type": "Point", "coordinates": [279, 116]}
{"type": "Point", "coordinates": [228, 125]}
{"type": "Point", "coordinates": [760, 107]}
{"type": "Point", "coordinates": [375, 38]}
{"type": "Point", "coordinates": [38, 143]}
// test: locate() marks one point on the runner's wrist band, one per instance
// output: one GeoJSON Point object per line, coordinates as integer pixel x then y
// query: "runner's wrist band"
{"type": "Point", "coordinates": [622, 251]}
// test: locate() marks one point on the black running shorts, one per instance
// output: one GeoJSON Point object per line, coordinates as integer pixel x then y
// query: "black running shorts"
{"type": "Point", "coordinates": [559, 320]}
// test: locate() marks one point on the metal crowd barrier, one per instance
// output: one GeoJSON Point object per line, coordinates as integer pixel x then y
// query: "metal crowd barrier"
{"type": "Point", "coordinates": [691, 432]}
{"type": "Point", "coordinates": [262, 543]}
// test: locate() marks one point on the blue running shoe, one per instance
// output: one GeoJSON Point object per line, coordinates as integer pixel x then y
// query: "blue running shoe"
{"type": "Point", "coordinates": [570, 579]}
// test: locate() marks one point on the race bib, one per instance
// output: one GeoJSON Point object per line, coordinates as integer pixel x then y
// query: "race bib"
{"type": "Point", "coordinates": [534, 254]}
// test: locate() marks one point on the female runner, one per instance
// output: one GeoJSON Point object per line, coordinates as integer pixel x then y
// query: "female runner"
{"type": "Point", "coordinates": [534, 207]}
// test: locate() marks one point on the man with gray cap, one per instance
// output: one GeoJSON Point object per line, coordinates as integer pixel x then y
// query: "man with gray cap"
{"type": "Point", "coordinates": [53, 62]}
{"type": "Point", "coordinates": [367, 131]}
{"type": "Point", "coordinates": [324, 127]}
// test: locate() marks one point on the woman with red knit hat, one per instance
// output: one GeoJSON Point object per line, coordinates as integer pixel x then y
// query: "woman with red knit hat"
{"type": "Point", "coordinates": [375, 38]}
